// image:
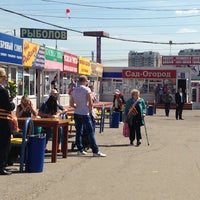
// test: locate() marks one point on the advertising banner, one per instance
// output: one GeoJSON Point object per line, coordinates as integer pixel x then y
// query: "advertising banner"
{"type": "Point", "coordinates": [96, 69]}
{"type": "Point", "coordinates": [149, 74]}
{"type": "Point", "coordinates": [84, 66]}
{"type": "Point", "coordinates": [180, 60]}
{"type": "Point", "coordinates": [70, 63]}
{"type": "Point", "coordinates": [33, 55]}
{"type": "Point", "coordinates": [53, 59]}
{"type": "Point", "coordinates": [39, 59]}
{"type": "Point", "coordinates": [10, 49]}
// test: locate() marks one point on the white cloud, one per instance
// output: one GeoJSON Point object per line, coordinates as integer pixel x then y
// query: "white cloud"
{"type": "Point", "coordinates": [188, 12]}
{"type": "Point", "coordinates": [187, 30]}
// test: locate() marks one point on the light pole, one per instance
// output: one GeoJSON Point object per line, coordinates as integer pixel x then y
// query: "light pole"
{"type": "Point", "coordinates": [98, 35]}
{"type": "Point", "coordinates": [170, 46]}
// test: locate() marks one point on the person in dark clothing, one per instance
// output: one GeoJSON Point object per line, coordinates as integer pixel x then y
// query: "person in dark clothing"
{"type": "Point", "coordinates": [54, 82]}
{"type": "Point", "coordinates": [180, 99]}
{"type": "Point", "coordinates": [167, 99]}
{"type": "Point", "coordinates": [118, 103]}
{"type": "Point", "coordinates": [51, 109]}
{"type": "Point", "coordinates": [6, 127]}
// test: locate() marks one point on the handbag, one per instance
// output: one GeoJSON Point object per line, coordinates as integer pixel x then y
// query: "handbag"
{"type": "Point", "coordinates": [126, 130]}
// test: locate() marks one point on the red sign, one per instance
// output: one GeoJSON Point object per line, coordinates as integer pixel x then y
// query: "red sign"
{"type": "Point", "coordinates": [70, 63]}
{"type": "Point", "coordinates": [180, 60]}
{"type": "Point", "coordinates": [153, 74]}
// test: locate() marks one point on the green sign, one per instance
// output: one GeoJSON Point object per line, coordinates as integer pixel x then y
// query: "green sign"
{"type": "Point", "coordinates": [53, 55]}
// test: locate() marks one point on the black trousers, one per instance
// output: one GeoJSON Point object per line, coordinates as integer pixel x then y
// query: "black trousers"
{"type": "Point", "coordinates": [179, 110]}
{"type": "Point", "coordinates": [5, 134]}
{"type": "Point", "coordinates": [167, 109]}
{"type": "Point", "coordinates": [135, 132]}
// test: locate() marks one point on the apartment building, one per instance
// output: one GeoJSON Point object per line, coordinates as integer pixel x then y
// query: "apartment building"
{"type": "Point", "coordinates": [189, 52]}
{"type": "Point", "coordinates": [144, 59]}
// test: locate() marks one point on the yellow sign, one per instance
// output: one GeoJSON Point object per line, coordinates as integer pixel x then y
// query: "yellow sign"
{"type": "Point", "coordinates": [30, 50]}
{"type": "Point", "coordinates": [84, 66]}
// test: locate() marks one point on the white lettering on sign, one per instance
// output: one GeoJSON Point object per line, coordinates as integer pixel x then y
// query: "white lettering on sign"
{"type": "Point", "coordinates": [161, 74]}
{"type": "Point", "coordinates": [181, 60]}
{"type": "Point", "coordinates": [6, 45]}
{"type": "Point", "coordinates": [168, 60]}
{"type": "Point", "coordinates": [132, 74]}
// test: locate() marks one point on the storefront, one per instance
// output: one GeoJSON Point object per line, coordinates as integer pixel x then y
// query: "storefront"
{"type": "Point", "coordinates": [33, 64]}
{"type": "Point", "coordinates": [196, 94]}
{"type": "Point", "coordinates": [12, 58]}
{"type": "Point", "coordinates": [53, 68]}
{"type": "Point", "coordinates": [145, 80]}
{"type": "Point", "coordinates": [70, 71]}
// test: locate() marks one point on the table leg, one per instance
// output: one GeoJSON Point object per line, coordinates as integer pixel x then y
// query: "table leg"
{"type": "Point", "coordinates": [65, 141]}
{"type": "Point", "coordinates": [54, 144]}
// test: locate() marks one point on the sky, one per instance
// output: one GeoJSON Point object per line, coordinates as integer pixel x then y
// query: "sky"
{"type": "Point", "coordinates": [134, 25]}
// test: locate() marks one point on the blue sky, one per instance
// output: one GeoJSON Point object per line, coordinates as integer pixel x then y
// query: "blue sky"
{"type": "Point", "coordinates": [153, 21]}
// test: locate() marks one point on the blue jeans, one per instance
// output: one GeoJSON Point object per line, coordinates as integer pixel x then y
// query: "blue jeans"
{"type": "Point", "coordinates": [88, 124]}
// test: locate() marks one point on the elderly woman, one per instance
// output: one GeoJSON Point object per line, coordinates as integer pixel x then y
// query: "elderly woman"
{"type": "Point", "coordinates": [6, 128]}
{"type": "Point", "coordinates": [134, 113]}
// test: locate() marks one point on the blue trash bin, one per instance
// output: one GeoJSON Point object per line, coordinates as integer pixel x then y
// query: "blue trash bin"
{"type": "Point", "coordinates": [36, 152]}
{"type": "Point", "coordinates": [150, 110]}
{"type": "Point", "coordinates": [114, 122]}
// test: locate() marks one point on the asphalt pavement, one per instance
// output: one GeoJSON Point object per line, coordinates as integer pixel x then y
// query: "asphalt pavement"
{"type": "Point", "coordinates": [167, 169]}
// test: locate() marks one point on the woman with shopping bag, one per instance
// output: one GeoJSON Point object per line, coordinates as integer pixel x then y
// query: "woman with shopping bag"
{"type": "Point", "coordinates": [134, 113]}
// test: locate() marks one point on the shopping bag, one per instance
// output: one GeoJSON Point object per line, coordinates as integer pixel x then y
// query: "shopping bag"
{"type": "Point", "coordinates": [126, 130]}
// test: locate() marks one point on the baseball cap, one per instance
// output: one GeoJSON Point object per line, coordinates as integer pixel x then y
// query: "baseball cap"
{"type": "Point", "coordinates": [117, 91]}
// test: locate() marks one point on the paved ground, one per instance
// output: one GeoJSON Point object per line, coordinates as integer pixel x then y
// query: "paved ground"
{"type": "Point", "coordinates": [167, 169]}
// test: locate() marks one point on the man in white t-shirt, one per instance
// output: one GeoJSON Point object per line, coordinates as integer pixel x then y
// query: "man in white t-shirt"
{"type": "Point", "coordinates": [82, 102]}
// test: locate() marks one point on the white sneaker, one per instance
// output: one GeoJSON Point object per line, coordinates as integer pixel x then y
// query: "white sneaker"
{"type": "Point", "coordinates": [81, 153]}
{"type": "Point", "coordinates": [99, 154]}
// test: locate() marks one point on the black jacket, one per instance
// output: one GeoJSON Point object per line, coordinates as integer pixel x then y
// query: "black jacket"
{"type": "Point", "coordinates": [178, 98]}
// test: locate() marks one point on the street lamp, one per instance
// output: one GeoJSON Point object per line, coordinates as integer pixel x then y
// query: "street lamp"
{"type": "Point", "coordinates": [98, 35]}
{"type": "Point", "coordinates": [170, 46]}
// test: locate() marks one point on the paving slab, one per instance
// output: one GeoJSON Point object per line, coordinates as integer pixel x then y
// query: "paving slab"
{"type": "Point", "coordinates": [167, 169]}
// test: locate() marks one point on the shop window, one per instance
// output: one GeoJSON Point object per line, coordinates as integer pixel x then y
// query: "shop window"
{"type": "Point", "coordinates": [170, 84]}
{"type": "Point", "coordinates": [64, 85]}
{"type": "Point", "coordinates": [194, 94]}
{"type": "Point", "coordinates": [117, 84]}
{"type": "Point", "coordinates": [20, 80]}
{"type": "Point", "coordinates": [46, 85]}
{"type": "Point", "coordinates": [107, 86]}
{"type": "Point", "coordinates": [142, 85]}
{"type": "Point", "coordinates": [48, 78]}
{"type": "Point", "coordinates": [128, 85]}
{"type": "Point", "coordinates": [155, 85]}
{"type": "Point", "coordinates": [29, 81]}
{"type": "Point", "coordinates": [13, 72]}
{"type": "Point", "coordinates": [32, 82]}
{"type": "Point", "coordinates": [26, 84]}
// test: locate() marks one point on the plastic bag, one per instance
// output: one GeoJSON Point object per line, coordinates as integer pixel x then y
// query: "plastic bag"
{"type": "Point", "coordinates": [126, 130]}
